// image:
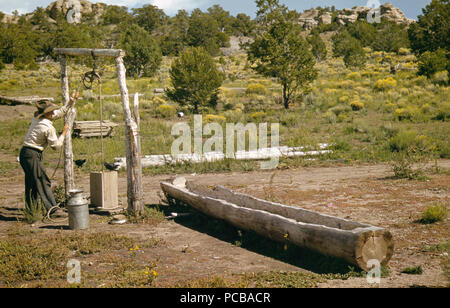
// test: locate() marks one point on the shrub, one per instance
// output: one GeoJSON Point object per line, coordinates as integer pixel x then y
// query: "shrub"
{"type": "Point", "coordinates": [385, 84]}
{"type": "Point", "coordinates": [256, 88]}
{"type": "Point", "coordinates": [432, 62]}
{"type": "Point", "coordinates": [443, 113]}
{"type": "Point", "coordinates": [318, 47]}
{"type": "Point", "coordinates": [402, 114]}
{"type": "Point", "coordinates": [404, 51]}
{"type": "Point", "coordinates": [440, 78]}
{"type": "Point", "coordinates": [212, 118]}
{"type": "Point", "coordinates": [408, 149]}
{"type": "Point", "coordinates": [34, 212]}
{"type": "Point", "coordinates": [289, 119]}
{"type": "Point", "coordinates": [340, 109]}
{"type": "Point", "coordinates": [404, 91]}
{"type": "Point", "coordinates": [258, 116]}
{"type": "Point", "coordinates": [330, 117]}
{"type": "Point", "coordinates": [356, 105]}
{"type": "Point", "coordinates": [417, 270]}
{"type": "Point", "coordinates": [343, 99]}
{"type": "Point", "coordinates": [354, 76]}
{"type": "Point", "coordinates": [410, 141]}
{"type": "Point", "coordinates": [434, 213]}
{"type": "Point", "coordinates": [166, 111]}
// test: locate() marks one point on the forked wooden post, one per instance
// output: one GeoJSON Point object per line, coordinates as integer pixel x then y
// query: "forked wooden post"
{"type": "Point", "coordinates": [69, 179]}
{"type": "Point", "coordinates": [134, 167]}
{"type": "Point", "coordinates": [133, 146]}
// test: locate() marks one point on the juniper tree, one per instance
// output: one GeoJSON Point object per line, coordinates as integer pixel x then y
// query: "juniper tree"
{"type": "Point", "coordinates": [279, 50]}
{"type": "Point", "coordinates": [195, 79]}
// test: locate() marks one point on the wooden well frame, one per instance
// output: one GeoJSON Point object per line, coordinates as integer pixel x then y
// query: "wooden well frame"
{"type": "Point", "coordinates": [132, 124]}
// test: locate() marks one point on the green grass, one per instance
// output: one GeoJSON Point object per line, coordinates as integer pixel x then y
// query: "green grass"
{"type": "Point", "coordinates": [434, 213]}
{"type": "Point", "coordinates": [30, 257]}
{"type": "Point", "coordinates": [34, 212]}
{"type": "Point", "coordinates": [417, 270]}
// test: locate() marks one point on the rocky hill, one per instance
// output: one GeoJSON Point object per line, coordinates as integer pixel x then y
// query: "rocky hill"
{"type": "Point", "coordinates": [313, 17]}
{"type": "Point", "coordinates": [75, 8]}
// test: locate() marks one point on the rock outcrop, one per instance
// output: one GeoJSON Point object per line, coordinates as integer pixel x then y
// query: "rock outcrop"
{"type": "Point", "coordinates": [313, 17]}
{"type": "Point", "coordinates": [75, 9]}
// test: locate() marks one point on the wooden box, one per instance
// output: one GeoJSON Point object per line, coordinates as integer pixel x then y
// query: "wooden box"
{"type": "Point", "coordinates": [104, 190]}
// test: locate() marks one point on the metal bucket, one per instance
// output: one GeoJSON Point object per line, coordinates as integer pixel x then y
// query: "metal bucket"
{"type": "Point", "coordinates": [78, 209]}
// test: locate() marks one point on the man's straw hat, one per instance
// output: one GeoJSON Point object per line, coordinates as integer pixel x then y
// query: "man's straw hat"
{"type": "Point", "coordinates": [44, 106]}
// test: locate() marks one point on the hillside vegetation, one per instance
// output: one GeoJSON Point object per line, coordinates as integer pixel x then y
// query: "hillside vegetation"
{"type": "Point", "coordinates": [370, 101]}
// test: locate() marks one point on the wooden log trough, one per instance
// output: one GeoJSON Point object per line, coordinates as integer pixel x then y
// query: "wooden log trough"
{"type": "Point", "coordinates": [355, 242]}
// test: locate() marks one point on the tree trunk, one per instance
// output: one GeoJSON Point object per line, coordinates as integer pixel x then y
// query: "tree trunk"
{"type": "Point", "coordinates": [133, 157]}
{"type": "Point", "coordinates": [286, 98]}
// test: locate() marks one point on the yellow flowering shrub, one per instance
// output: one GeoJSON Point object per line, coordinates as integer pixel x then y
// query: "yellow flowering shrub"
{"type": "Point", "coordinates": [366, 73]}
{"type": "Point", "coordinates": [256, 88]}
{"type": "Point", "coordinates": [356, 105]}
{"type": "Point", "coordinates": [159, 101]}
{"type": "Point", "coordinates": [390, 106]}
{"type": "Point", "coordinates": [385, 84]}
{"type": "Point", "coordinates": [407, 113]}
{"type": "Point", "coordinates": [166, 111]}
{"type": "Point", "coordinates": [345, 84]}
{"type": "Point", "coordinates": [258, 116]}
{"type": "Point", "coordinates": [343, 99]}
{"type": "Point", "coordinates": [409, 65]}
{"type": "Point", "coordinates": [212, 118]}
{"type": "Point", "coordinates": [240, 107]}
{"type": "Point", "coordinates": [353, 76]}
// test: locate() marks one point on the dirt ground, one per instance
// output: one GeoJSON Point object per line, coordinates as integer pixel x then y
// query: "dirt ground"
{"type": "Point", "coordinates": [364, 193]}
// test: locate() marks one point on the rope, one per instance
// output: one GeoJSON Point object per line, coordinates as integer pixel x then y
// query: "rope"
{"type": "Point", "coordinates": [101, 121]}
{"type": "Point", "coordinates": [52, 220]}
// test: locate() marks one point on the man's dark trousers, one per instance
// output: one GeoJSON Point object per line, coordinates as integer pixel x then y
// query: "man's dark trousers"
{"type": "Point", "coordinates": [37, 183]}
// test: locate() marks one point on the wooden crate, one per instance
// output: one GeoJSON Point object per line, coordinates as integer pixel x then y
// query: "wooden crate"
{"type": "Point", "coordinates": [104, 190]}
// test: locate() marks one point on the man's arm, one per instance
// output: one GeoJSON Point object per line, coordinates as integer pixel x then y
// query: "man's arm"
{"type": "Point", "coordinates": [57, 114]}
{"type": "Point", "coordinates": [53, 140]}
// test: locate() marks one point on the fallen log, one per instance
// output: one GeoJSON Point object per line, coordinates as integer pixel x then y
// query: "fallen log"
{"type": "Point", "coordinates": [260, 154]}
{"type": "Point", "coordinates": [21, 100]}
{"type": "Point", "coordinates": [355, 242]}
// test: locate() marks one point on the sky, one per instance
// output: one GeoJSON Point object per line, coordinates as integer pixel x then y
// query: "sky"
{"type": "Point", "coordinates": [411, 8]}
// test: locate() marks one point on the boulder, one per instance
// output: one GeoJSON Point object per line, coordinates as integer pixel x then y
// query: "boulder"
{"type": "Point", "coordinates": [325, 19]}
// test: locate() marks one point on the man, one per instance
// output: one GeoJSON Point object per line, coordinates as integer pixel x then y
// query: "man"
{"type": "Point", "coordinates": [41, 134]}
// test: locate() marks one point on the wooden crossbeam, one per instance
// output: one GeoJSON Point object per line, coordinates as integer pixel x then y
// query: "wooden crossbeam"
{"type": "Point", "coordinates": [89, 52]}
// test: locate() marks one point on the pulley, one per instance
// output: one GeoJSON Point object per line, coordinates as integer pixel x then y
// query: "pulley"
{"type": "Point", "coordinates": [90, 77]}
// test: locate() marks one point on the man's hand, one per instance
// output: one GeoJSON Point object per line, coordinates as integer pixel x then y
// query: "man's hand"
{"type": "Point", "coordinates": [74, 97]}
{"type": "Point", "coordinates": [66, 128]}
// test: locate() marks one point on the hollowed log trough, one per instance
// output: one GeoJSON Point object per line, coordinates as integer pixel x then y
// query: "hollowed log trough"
{"type": "Point", "coordinates": [355, 242]}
